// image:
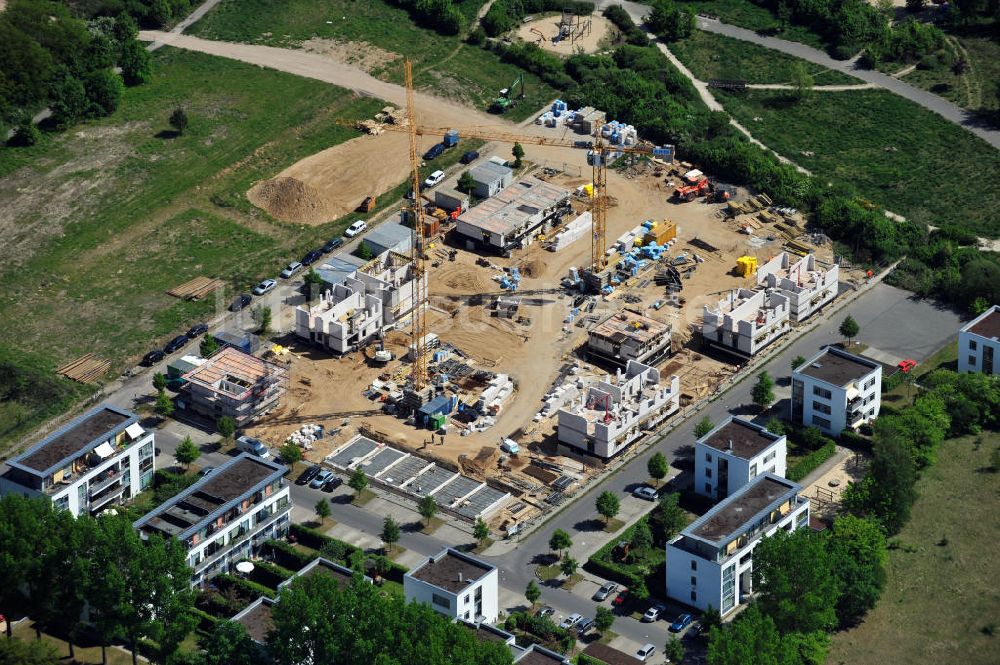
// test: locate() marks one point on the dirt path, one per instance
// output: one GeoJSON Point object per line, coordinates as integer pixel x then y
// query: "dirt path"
{"type": "Point", "coordinates": [817, 88]}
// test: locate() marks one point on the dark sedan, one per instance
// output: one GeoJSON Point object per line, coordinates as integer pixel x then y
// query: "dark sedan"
{"type": "Point", "coordinates": [311, 258]}
{"type": "Point", "coordinates": [196, 330]}
{"type": "Point", "coordinates": [241, 301]}
{"type": "Point", "coordinates": [176, 343]}
{"type": "Point", "coordinates": [333, 244]}
{"type": "Point", "coordinates": [306, 476]}
{"type": "Point", "coordinates": [153, 357]}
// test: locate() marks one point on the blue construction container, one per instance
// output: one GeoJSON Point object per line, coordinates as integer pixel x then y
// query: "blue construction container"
{"type": "Point", "coordinates": [451, 138]}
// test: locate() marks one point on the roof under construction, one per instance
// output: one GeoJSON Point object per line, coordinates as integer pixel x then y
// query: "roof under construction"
{"type": "Point", "coordinates": [514, 206]}
{"type": "Point", "coordinates": [630, 323]}
{"type": "Point", "coordinates": [233, 372]}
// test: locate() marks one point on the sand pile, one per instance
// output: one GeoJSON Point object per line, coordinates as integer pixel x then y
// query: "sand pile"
{"type": "Point", "coordinates": [290, 200]}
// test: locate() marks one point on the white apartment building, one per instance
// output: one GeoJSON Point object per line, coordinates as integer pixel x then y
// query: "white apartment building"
{"type": "Point", "coordinates": [745, 321]}
{"type": "Point", "coordinates": [710, 563]}
{"type": "Point", "coordinates": [979, 343]}
{"type": "Point", "coordinates": [807, 285]}
{"type": "Point", "coordinates": [226, 516]}
{"type": "Point", "coordinates": [835, 390]}
{"type": "Point", "coordinates": [373, 298]}
{"type": "Point", "coordinates": [455, 585]}
{"type": "Point", "coordinates": [101, 459]}
{"type": "Point", "coordinates": [613, 413]}
{"type": "Point", "coordinates": [733, 454]}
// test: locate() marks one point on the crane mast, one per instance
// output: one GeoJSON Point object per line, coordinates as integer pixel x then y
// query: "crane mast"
{"type": "Point", "coordinates": [418, 375]}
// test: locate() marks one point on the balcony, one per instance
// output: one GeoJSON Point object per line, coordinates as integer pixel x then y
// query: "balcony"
{"type": "Point", "coordinates": [104, 481]}
{"type": "Point", "coordinates": [240, 539]}
{"type": "Point", "coordinates": [110, 497]}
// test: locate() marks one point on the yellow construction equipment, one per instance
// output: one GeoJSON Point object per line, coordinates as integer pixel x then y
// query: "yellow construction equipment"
{"type": "Point", "coordinates": [418, 375]}
{"type": "Point", "coordinates": [746, 266]}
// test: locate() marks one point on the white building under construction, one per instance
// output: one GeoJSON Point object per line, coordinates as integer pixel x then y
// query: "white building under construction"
{"type": "Point", "coordinates": [745, 321]}
{"type": "Point", "coordinates": [629, 335]}
{"type": "Point", "coordinates": [513, 217]}
{"type": "Point", "coordinates": [375, 297]}
{"type": "Point", "coordinates": [807, 285]}
{"type": "Point", "coordinates": [613, 413]}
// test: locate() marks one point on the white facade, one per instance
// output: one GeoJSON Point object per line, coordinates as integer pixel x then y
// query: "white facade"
{"type": "Point", "coordinates": [101, 459]}
{"type": "Point", "coordinates": [807, 285]}
{"type": "Point", "coordinates": [375, 297]}
{"type": "Point", "coordinates": [613, 413]}
{"type": "Point", "coordinates": [490, 179]}
{"type": "Point", "coordinates": [730, 456]}
{"type": "Point", "coordinates": [836, 390]}
{"type": "Point", "coordinates": [455, 585]}
{"type": "Point", "coordinates": [746, 321]}
{"type": "Point", "coordinates": [710, 563]}
{"type": "Point", "coordinates": [979, 343]}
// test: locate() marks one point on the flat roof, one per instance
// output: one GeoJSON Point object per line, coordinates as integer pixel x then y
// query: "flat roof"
{"type": "Point", "coordinates": [986, 324]}
{"type": "Point", "coordinates": [479, 501]}
{"type": "Point", "coordinates": [352, 451]}
{"type": "Point", "coordinates": [629, 323]}
{"type": "Point", "coordinates": [257, 619]}
{"type": "Point", "coordinates": [341, 574]}
{"type": "Point", "coordinates": [486, 633]}
{"type": "Point", "coordinates": [389, 235]}
{"type": "Point", "coordinates": [514, 205]}
{"type": "Point", "coordinates": [748, 440]}
{"type": "Point", "coordinates": [74, 439]}
{"type": "Point", "coordinates": [610, 655]}
{"type": "Point", "coordinates": [489, 171]}
{"type": "Point", "coordinates": [732, 515]}
{"type": "Point", "coordinates": [536, 655]}
{"type": "Point", "coordinates": [444, 569]}
{"type": "Point", "coordinates": [211, 496]}
{"type": "Point", "coordinates": [233, 372]}
{"type": "Point", "coordinates": [837, 367]}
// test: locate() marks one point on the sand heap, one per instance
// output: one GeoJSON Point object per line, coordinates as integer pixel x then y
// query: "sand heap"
{"type": "Point", "coordinates": [290, 200]}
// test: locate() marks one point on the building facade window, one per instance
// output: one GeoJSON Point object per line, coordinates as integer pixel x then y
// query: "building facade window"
{"type": "Point", "coordinates": [972, 345]}
{"type": "Point", "coordinates": [821, 408]}
{"type": "Point", "coordinates": [466, 599]}
{"type": "Point", "coordinates": [728, 588]}
{"type": "Point", "coordinates": [770, 456]}
{"type": "Point", "coordinates": [441, 601]}
{"type": "Point", "coordinates": [821, 422]}
{"type": "Point", "coordinates": [708, 488]}
{"type": "Point", "coordinates": [972, 360]}
{"type": "Point", "coordinates": [694, 581]}
{"type": "Point", "coordinates": [694, 565]}
{"type": "Point", "coordinates": [694, 595]}
{"type": "Point", "coordinates": [753, 470]}
{"type": "Point", "coordinates": [822, 392]}
{"type": "Point", "coordinates": [708, 457]}
{"type": "Point", "coordinates": [708, 473]}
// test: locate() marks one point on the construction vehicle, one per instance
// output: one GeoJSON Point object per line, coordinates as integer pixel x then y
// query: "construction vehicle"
{"type": "Point", "coordinates": [721, 193]}
{"type": "Point", "coordinates": [368, 204]}
{"type": "Point", "coordinates": [701, 187]}
{"type": "Point", "coordinates": [507, 99]}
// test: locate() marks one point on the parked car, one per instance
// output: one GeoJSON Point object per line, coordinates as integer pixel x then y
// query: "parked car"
{"type": "Point", "coordinates": [653, 613]}
{"type": "Point", "coordinates": [571, 621]}
{"type": "Point", "coordinates": [240, 302]}
{"type": "Point", "coordinates": [620, 598]}
{"type": "Point", "coordinates": [332, 245]}
{"type": "Point", "coordinates": [355, 228]}
{"type": "Point", "coordinates": [197, 329]}
{"type": "Point", "coordinates": [584, 625]}
{"type": "Point", "coordinates": [645, 651]}
{"type": "Point", "coordinates": [291, 269]}
{"type": "Point", "coordinates": [645, 492]}
{"type": "Point", "coordinates": [176, 343]}
{"type": "Point", "coordinates": [153, 357]}
{"type": "Point", "coordinates": [321, 479]}
{"type": "Point", "coordinates": [311, 257]}
{"type": "Point", "coordinates": [680, 623]}
{"type": "Point", "coordinates": [434, 179]}
{"type": "Point", "coordinates": [248, 444]}
{"type": "Point", "coordinates": [606, 590]}
{"type": "Point", "coordinates": [546, 610]}
{"type": "Point", "coordinates": [435, 151]}
{"type": "Point", "coordinates": [207, 470]}
{"type": "Point", "coordinates": [264, 287]}
{"type": "Point", "coordinates": [469, 157]}
{"type": "Point", "coordinates": [693, 632]}
{"type": "Point", "coordinates": [333, 483]}
{"type": "Point", "coordinates": [307, 475]}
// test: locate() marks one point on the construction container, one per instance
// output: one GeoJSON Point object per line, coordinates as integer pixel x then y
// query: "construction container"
{"type": "Point", "coordinates": [437, 421]}
{"type": "Point", "coordinates": [451, 199]}
{"type": "Point", "coordinates": [746, 266]}
{"type": "Point", "coordinates": [661, 233]}
{"type": "Point", "coordinates": [432, 226]}
{"type": "Point", "coordinates": [451, 138]}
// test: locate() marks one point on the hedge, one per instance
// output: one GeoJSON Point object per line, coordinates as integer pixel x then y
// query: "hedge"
{"type": "Point", "coordinates": [810, 462]}
{"type": "Point", "coordinates": [288, 556]}
{"type": "Point", "coordinates": [269, 574]}
{"type": "Point", "coordinates": [206, 622]}
{"type": "Point", "coordinates": [250, 591]}
{"type": "Point", "coordinates": [601, 563]}
{"type": "Point", "coordinates": [854, 440]}
{"type": "Point", "coordinates": [216, 605]}
{"type": "Point", "coordinates": [633, 34]}
{"type": "Point", "coordinates": [316, 540]}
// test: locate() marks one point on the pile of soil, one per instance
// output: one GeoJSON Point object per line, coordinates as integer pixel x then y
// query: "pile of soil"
{"type": "Point", "coordinates": [290, 200]}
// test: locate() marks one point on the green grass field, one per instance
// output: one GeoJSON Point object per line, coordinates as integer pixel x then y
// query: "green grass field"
{"type": "Point", "coordinates": [444, 65]}
{"type": "Point", "coordinates": [712, 56]}
{"type": "Point", "coordinates": [746, 14]}
{"type": "Point", "coordinates": [975, 89]}
{"type": "Point", "coordinates": [941, 603]}
{"type": "Point", "coordinates": [892, 151]}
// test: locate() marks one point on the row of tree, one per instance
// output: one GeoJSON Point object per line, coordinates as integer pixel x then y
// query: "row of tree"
{"type": "Point", "coordinates": [439, 15]}
{"type": "Point", "coordinates": [148, 13]}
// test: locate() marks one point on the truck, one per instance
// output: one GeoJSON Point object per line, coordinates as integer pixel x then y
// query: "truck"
{"type": "Point", "coordinates": [699, 187]}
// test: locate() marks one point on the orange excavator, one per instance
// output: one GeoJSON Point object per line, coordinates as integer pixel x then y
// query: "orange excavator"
{"type": "Point", "coordinates": [700, 187]}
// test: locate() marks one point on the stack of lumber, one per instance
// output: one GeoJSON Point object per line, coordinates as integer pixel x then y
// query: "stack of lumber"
{"type": "Point", "coordinates": [85, 369]}
{"type": "Point", "coordinates": [197, 288]}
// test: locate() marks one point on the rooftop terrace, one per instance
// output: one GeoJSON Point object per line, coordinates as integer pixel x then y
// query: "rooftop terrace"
{"type": "Point", "coordinates": [733, 515]}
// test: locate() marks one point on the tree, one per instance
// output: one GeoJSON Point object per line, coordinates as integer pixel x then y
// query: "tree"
{"type": "Point", "coordinates": [480, 531]}
{"type": "Point", "coordinates": [568, 566]}
{"type": "Point", "coordinates": [322, 510]}
{"type": "Point", "coordinates": [160, 382]}
{"type": "Point", "coordinates": [532, 593]}
{"type": "Point", "coordinates": [135, 63]}
{"type": "Point", "coordinates": [313, 283]}
{"type": "Point", "coordinates": [290, 453]}
{"type": "Point", "coordinates": [229, 644]}
{"type": "Point", "coordinates": [179, 120]}
{"type": "Point", "coordinates": [710, 618]}
{"type": "Point", "coordinates": [859, 555]}
{"type": "Point", "coordinates": [703, 427]}
{"type": "Point", "coordinates": [887, 491]}
{"type": "Point", "coordinates": [466, 183]}
{"type": "Point", "coordinates": [428, 508]}
{"type": "Point", "coordinates": [672, 517]}
{"type": "Point", "coordinates": [390, 532]}
{"type": "Point", "coordinates": [27, 652]}
{"type": "Point", "coordinates": [67, 99]}
{"type": "Point", "coordinates": [608, 505]}
{"type": "Point", "coordinates": [793, 576]}
{"type": "Point", "coordinates": [801, 80]}
{"type": "Point", "coordinates": [518, 152]}
{"type": "Point", "coordinates": [26, 134]}
{"type": "Point", "coordinates": [642, 536]}
{"type": "Point", "coordinates": [262, 315]}
{"type": "Point", "coordinates": [604, 618]}
{"type": "Point", "coordinates": [849, 328]}
{"type": "Point", "coordinates": [797, 362]}
{"type": "Point", "coordinates": [104, 92]}
{"type": "Point", "coordinates": [915, 6]}
{"type": "Point", "coordinates": [209, 345]}
{"type": "Point", "coordinates": [226, 427]}
{"type": "Point", "coordinates": [751, 639]}
{"type": "Point", "coordinates": [763, 391]}
{"type": "Point", "coordinates": [560, 541]}
{"type": "Point", "coordinates": [187, 452]}
{"type": "Point", "coordinates": [776, 425]}
{"type": "Point", "coordinates": [164, 405]}
{"type": "Point", "coordinates": [358, 481]}
{"type": "Point", "coordinates": [657, 467]}
{"type": "Point", "coordinates": [669, 21]}
{"type": "Point", "coordinates": [363, 251]}
{"type": "Point", "coordinates": [673, 650]}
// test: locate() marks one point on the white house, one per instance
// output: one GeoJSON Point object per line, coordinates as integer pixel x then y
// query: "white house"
{"type": "Point", "coordinates": [226, 516]}
{"type": "Point", "coordinates": [835, 390]}
{"type": "Point", "coordinates": [98, 460]}
{"type": "Point", "coordinates": [710, 563]}
{"type": "Point", "coordinates": [745, 321]}
{"type": "Point", "coordinates": [490, 179]}
{"type": "Point", "coordinates": [733, 454]}
{"type": "Point", "coordinates": [613, 413]}
{"type": "Point", "coordinates": [979, 343]}
{"type": "Point", "coordinates": [807, 285]}
{"type": "Point", "coordinates": [455, 585]}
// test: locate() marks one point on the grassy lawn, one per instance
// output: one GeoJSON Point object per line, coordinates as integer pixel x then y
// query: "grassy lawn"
{"type": "Point", "coordinates": [444, 65]}
{"type": "Point", "coordinates": [84, 654]}
{"type": "Point", "coordinates": [712, 56]}
{"type": "Point", "coordinates": [753, 17]}
{"type": "Point", "coordinates": [547, 573]}
{"type": "Point", "coordinates": [891, 150]}
{"type": "Point", "coordinates": [941, 603]}
{"type": "Point", "coordinates": [976, 88]}
{"type": "Point", "coordinates": [613, 525]}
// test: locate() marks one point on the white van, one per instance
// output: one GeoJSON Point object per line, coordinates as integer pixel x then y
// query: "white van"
{"type": "Point", "coordinates": [248, 444]}
{"type": "Point", "coordinates": [645, 651]}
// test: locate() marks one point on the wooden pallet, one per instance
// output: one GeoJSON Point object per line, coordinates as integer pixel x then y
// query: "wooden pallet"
{"type": "Point", "coordinates": [196, 289]}
{"type": "Point", "coordinates": [85, 369]}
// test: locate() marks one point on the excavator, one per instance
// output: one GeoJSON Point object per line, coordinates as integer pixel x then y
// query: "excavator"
{"type": "Point", "coordinates": [507, 100]}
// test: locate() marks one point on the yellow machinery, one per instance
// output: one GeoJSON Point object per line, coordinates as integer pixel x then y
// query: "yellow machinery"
{"type": "Point", "coordinates": [746, 266]}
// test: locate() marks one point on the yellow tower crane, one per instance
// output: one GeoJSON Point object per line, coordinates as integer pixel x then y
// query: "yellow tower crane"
{"type": "Point", "coordinates": [418, 376]}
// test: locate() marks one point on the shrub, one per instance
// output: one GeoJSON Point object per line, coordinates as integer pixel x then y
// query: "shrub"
{"type": "Point", "coordinates": [287, 555]}
{"type": "Point", "coordinates": [810, 462]}
{"type": "Point", "coordinates": [854, 440]}
{"type": "Point", "coordinates": [270, 574]}
{"type": "Point", "coordinates": [248, 591]}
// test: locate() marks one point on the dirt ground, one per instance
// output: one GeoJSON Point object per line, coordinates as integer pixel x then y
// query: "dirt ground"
{"type": "Point", "coordinates": [363, 55]}
{"type": "Point", "coordinates": [584, 38]}
{"type": "Point", "coordinates": [825, 493]}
